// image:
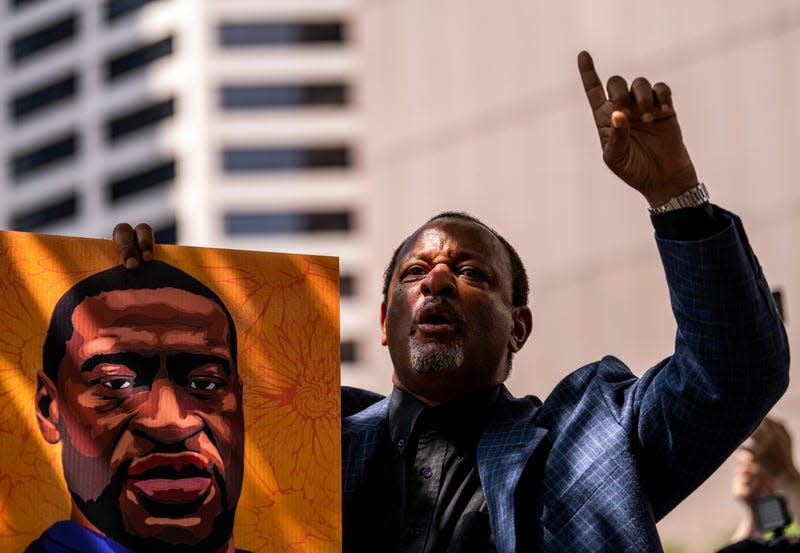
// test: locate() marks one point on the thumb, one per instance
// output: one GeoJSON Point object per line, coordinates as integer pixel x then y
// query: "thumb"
{"type": "Point", "coordinates": [617, 146]}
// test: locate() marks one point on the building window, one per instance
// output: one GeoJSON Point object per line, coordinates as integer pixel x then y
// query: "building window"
{"type": "Point", "coordinates": [137, 58]}
{"type": "Point", "coordinates": [291, 222]}
{"type": "Point", "coordinates": [17, 4]}
{"type": "Point", "coordinates": [141, 180]}
{"type": "Point", "coordinates": [44, 215]}
{"type": "Point", "coordinates": [281, 33]}
{"type": "Point", "coordinates": [41, 157]}
{"type": "Point", "coordinates": [285, 158]}
{"type": "Point", "coordinates": [44, 38]}
{"type": "Point", "coordinates": [347, 285]}
{"type": "Point", "coordinates": [31, 101]}
{"type": "Point", "coordinates": [118, 8]}
{"type": "Point", "coordinates": [349, 351]}
{"type": "Point", "coordinates": [167, 234]}
{"type": "Point", "coordinates": [282, 96]}
{"type": "Point", "coordinates": [142, 118]}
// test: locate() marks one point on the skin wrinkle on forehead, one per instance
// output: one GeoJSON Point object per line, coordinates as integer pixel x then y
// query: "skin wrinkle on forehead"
{"type": "Point", "coordinates": [434, 239]}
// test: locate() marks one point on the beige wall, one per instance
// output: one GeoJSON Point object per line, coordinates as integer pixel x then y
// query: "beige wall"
{"type": "Point", "coordinates": [477, 106]}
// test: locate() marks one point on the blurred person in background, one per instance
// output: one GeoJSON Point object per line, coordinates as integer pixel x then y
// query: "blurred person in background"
{"type": "Point", "coordinates": [765, 466]}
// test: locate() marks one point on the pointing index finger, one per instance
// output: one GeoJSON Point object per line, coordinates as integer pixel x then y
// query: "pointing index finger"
{"type": "Point", "coordinates": [591, 82]}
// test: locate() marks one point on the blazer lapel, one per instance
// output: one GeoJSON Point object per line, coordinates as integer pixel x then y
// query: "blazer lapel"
{"type": "Point", "coordinates": [360, 435]}
{"type": "Point", "coordinates": [504, 448]}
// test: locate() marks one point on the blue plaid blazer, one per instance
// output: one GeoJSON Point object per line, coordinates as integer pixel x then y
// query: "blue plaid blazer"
{"type": "Point", "coordinates": [607, 454]}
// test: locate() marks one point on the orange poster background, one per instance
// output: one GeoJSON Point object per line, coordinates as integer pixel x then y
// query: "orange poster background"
{"type": "Point", "coordinates": [286, 311]}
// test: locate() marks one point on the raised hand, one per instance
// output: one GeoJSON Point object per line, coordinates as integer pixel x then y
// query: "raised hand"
{"type": "Point", "coordinates": [134, 244]}
{"type": "Point", "coordinates": [639, 134]}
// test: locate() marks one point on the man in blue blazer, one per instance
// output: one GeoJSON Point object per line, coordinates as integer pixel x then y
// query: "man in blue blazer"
{"type": "Point", "coordinates": [594, 466]}
{"type": "Point", "coordinates": [451, 462]}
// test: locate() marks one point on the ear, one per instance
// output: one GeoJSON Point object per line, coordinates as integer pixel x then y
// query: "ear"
{"type": "Point", "coordinates": [47, 408]}
{"type": "Point", "coordinates": [521, 329]}
{"type": "Point", "coordinates": [384, 341]}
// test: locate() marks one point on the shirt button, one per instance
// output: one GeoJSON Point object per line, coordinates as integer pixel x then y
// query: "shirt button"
{"type": "Point", "coordinates": [414, 532]}
{"type": "Point", "coordinates": [401, 442]}
{"type": "Point", "coordinates": [426, 472]}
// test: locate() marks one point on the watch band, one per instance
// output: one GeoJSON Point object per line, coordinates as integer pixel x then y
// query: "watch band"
{"type": "Point", "coordinates": [695, 196]}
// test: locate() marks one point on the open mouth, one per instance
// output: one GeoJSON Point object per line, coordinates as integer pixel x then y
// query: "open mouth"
{"type": "Point", "coordinates": [437, 317]}
{"type": "Point", "coordinates": [171, 484]}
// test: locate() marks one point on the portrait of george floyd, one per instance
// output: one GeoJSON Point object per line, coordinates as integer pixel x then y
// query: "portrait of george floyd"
{"type": "Point", "coordinates": [190, 405]}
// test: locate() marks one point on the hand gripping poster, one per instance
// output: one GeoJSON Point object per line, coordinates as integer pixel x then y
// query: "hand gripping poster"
{"type": "Point", "coordinates": [191, 404]}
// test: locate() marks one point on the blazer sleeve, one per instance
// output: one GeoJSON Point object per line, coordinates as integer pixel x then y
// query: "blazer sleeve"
{"type": "Point", "coordinates": [730, 365]}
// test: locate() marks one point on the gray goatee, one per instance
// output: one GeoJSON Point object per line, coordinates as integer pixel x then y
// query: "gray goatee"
{"type": "Point", "coordinates": [436, 358]}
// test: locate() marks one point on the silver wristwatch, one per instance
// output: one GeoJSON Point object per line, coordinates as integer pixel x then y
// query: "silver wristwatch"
{"type": "Point", "coordinates": [693, 197]}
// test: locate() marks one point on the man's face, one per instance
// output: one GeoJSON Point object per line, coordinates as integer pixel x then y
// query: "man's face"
{"type": "Point", "coordinates": [150, 417]}
{"type": "Point", "coordinates": [449, 321]}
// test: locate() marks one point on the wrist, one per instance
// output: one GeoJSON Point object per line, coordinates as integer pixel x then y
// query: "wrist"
{"type": "Point", "coordinates": [694, 196]}
{"type": "Point", "coordinates": [668, 187]}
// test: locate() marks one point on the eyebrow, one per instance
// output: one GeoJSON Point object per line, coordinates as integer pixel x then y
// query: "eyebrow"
{"type": "Point", "coordinates": [188, 361]}
{"type": "Point", "coordinates": [128, 358]}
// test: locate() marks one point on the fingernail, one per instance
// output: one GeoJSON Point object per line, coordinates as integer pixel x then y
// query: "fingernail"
{"type": "Point", "coordinates": [131, 263]}
{"type": "Point", "coordinates": [666, 108]}
{"type": "Point", "coordinates": [648, 117]}
{"type": "Point", "coordinates": [147, 255]}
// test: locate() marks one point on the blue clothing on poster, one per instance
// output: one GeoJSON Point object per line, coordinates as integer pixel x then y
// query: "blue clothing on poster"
{"type": "Point", "coordinates": [69, 537]}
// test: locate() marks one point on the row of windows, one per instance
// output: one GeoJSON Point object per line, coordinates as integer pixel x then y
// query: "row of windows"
{"type": "Point", "coordinates": [281, 33]}
{"type": "Point", "coordinates": [44, 38]}
{"type": "Point", "coordinates": [287, 222]}
{"type": "Point", "coordinates": [113, 9]}
{"type": "Point", "coordinates": [56, 150]}
{"type": "Point", "coordinates": [137, 57]}
{"type": "Point", "coordinates": [239, 97]}
{"type": "Point", "coordinates": [30, 101]}
{"type": "Point", "coordinates": [54, 211]}
{"type": "Point", "coordinates": [132, 121]}
{"type": "Point", "coordinates": [66, 207]}
{"type": "Point", "coordinates": [66, 146]}
{"type": "Point", "coordinates": [238, 160]}
{"type": "Point", "coordinates": [230, 35]}
{"type": "Point", "coordinates": [234, 160]}
{"type": "Point", "coordinates": [58, 31]}
{"type": "Point", "coordinates": [258, 96]}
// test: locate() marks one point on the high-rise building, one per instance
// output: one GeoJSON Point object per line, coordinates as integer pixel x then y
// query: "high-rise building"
{"type": "Point", "coordinates": [228, 124]}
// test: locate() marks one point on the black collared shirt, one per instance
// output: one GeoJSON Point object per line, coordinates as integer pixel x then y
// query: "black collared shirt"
{"type": "Point", "coordinates": [421, 492]}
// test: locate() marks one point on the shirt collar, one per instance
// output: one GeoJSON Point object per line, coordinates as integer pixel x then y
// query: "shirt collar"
{"type": "Point", "coordinates": [461, 418]}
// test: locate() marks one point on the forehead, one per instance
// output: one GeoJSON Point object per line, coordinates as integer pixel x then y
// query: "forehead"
{"type": "Point", "coordinates": [162, 309]}
{"type": "Point", "coordinates": [149, 304]}
{"type": "Point", "coordinates": [457, 238]}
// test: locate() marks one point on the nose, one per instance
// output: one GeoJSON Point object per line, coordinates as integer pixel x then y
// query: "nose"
{"type": "Point", "coordinates": [439, 281]}
{"type": "Point", "coordinates": [165, 416]}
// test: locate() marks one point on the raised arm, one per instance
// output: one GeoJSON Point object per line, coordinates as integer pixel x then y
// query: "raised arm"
{"type": "Point", "coordinates": [730, 363]}
{"type": "Point", "coordinates": [639, 134]}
